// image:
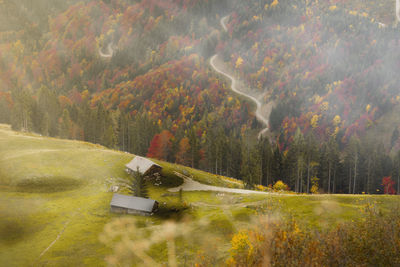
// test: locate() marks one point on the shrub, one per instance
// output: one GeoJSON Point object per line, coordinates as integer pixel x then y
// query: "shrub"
{"type": "Point", "coordinates": [280, 186]}
{"type": "Point", "coordinates": [373, 240]}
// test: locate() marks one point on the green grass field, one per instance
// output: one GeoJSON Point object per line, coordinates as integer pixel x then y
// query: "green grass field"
{"type": "Point", "coordinates": [54, 203]}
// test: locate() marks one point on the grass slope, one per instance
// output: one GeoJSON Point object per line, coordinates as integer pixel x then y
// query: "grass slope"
{"type": "Point", "coordinates": [56, 190]}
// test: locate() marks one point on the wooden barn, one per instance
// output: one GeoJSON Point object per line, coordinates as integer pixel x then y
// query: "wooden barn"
{"type": "Point", "coordinates": [145, 166]}
{"type": "Point", "coordinates": [133, 205]}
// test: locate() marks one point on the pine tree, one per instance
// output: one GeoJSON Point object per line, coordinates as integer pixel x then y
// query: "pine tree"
{"type": "Point", "coordinates": [353, 156]}
{"type": "Point", "coordinates": [44, 127]}
{"type": "Point", "coordinates": [137, 184]}
{"type": "Point", "coordinates": [329, 164]}
{"type": "Point", "coordinates": [311, 156]}
{"type": "Point", "coordinates": [4, 111]}
{"type": "Point", "coordinates": [250, 169]}
{"type": "Point", "coordinates": [277, 165]}
{"type": "Point", "coordinates": [65, 125]}
{"type": "Point", "coordinates": [266, 159]}
{"type": "Point", "coordinates": [299, 153]}
{"type": "Point", "coordinates": [194, 148]}
{"type": "Point", "coordinates": [109, 137]}
{"type": "Point", "coordinates": [397, 170]}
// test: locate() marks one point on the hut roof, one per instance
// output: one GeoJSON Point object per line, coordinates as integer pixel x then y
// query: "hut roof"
{"type": "Point", "coordinates": [135, 203]}
{"type": "Point", "coordinates": [143, 164]}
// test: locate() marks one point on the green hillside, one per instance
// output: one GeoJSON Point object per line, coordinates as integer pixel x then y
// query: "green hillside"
{"type": "Point", "coordinates": [54, 204]}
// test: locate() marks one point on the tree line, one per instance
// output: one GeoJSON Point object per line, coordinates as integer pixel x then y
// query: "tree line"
{"type": "Point", "coordinates": [306, 164]}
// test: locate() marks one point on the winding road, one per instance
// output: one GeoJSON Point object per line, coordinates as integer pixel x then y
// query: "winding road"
{"type": "Point", "coordinates": [110, 51]}
{"type": "Point", "coordinates": [398, 10]}
{"type": "Point", "coordinates": [218, 66]}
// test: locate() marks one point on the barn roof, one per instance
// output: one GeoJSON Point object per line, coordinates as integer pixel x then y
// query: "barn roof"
{"type": "Point", "coordinates": [142, 163]}
{"type": "Point", "coordinates": [135, 203]}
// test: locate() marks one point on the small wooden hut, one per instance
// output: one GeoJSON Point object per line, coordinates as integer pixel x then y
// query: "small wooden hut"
{"type": "Point", "coordinates": [133, 205]}
{"type": "Point", "coordinates": [145, 166]}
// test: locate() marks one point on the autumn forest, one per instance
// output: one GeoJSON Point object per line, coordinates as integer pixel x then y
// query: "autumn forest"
{"type": "Point", "coordinates": [135, 75]}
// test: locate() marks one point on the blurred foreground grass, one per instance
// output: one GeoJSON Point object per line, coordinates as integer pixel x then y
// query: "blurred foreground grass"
{"type": "Point", "coordinates": [57, 190]}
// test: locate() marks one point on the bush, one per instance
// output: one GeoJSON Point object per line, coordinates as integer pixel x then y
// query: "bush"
{"type": "Point", "coordinates": [373, 240]}
{"type": "Point", "coordinates": [280, 186]}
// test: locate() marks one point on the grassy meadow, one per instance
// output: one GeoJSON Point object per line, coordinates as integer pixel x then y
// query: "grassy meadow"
{"type": "Point", "coordinates": [54, 208]}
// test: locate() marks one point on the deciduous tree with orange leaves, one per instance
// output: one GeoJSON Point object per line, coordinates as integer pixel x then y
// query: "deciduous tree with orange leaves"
{"type": "Point", "coordinates": [160, 146]}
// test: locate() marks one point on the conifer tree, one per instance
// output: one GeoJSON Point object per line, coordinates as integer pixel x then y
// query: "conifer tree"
{"type": "Point", "coordinates": [65, 125]}
{"type": "Point", "coordinates": [137, 184]}
{"type": "Point", "coordinates": [194, 148]}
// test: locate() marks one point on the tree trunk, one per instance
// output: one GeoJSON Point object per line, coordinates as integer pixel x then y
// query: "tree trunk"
{"type": "Point", "coordinates": [301, 181]}
{"type": "Point", "coordinates": [350, 180]}
{"type": "Point", "coordinates": [308, 177]}
{"type": "Point", "coordinates": [334, 181]}
{"type": "Point", "coordinates": [355, 173]}
{"type": "Point", "coordinates": [368, 175]}
{"type": "Point", "coordinates": [329, 178]}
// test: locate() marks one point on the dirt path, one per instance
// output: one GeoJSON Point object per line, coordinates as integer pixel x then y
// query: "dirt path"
{"type": "Point", "coordinates": [191, 185]}
{"type": "Point", "coordinates": [263, 111]}
{"type": "Point", "coordinates": [59, 234]}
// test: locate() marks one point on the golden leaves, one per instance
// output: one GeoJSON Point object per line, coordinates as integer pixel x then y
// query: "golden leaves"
{"type": "Point", "coordinates": [314, 121]}
{"type": "Point", "coordinates": [239, 62]}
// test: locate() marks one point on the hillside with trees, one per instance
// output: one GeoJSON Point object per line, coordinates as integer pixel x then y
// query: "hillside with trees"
{"type": "Point", "coordinates": [134, 75]}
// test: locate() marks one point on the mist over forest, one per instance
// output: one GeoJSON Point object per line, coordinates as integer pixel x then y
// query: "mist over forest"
{"type": "Point", "coordinates": [199, 133]}
{"type": "Point", "coordinates": [135, 76]}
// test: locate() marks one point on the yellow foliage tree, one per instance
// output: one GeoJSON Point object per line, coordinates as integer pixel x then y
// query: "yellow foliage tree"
{"type": "Point", "coordinates": [241, 250]}
{"type": "Point", "coordinates": [239, 62]}
{"type": "Point", "coordinates": [280, 186]}
{"type": "Point", "coordinates": [275, 3]}
{"type": "Point", "coordinates": [336, 120]}
{"type": "Point", "coordinates": [314, 187]}
{"type": "Point", "coordinates": [314, 121]}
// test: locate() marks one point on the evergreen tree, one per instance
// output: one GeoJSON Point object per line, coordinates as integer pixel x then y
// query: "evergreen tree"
{"type": "Point", "coordinates": [65, 125]}
{"type": "Point", "coordinates": [353, 152]}
{"type": "Point", "coordinates": [396, 166]}
{"type": "Point", "coordinates": [299, 153]}
{"type": "Point", "coordinates": [5, 116]}
{"type": "Point", "coordinates": [194, 148]}
{"type": "Point", "coordinates": [137, 184]}
{"type": "Point", "coordinates": [22, 109]}
{"type": "Point", "coordinates": [44, 127]}
{"type": "Point", "coordinates": [266, 161]}
{"type": "Point", "coordinates": [250, 169]}
{"type": "Point", "coordinates": [329, 164]}
{"type": "Point", "coordinates": [311, 157]}
{"type": "Point", "coordinates": [48, 102]}
{"type": "Point", "coordinates": [109, 137]}
{"type": "Point", "coordinates": [395, 137]}
{"type": "Point", "coordinates": [277, 165]}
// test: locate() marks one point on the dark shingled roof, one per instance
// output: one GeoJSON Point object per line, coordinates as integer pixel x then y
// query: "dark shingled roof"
{"type": "Point", "coordinates": [135, 203]}
{"type": "Point", "coordinates": [142, 163]}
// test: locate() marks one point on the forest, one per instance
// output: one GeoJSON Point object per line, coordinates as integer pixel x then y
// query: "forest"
{"type": "Point", "coordinates": [135, 76]}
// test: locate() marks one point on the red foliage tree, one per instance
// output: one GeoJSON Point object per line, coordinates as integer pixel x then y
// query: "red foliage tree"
{"type": "Point", "coordinates": [388, 185]}
{"type": "Point", "coordinates": [160, 146]}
